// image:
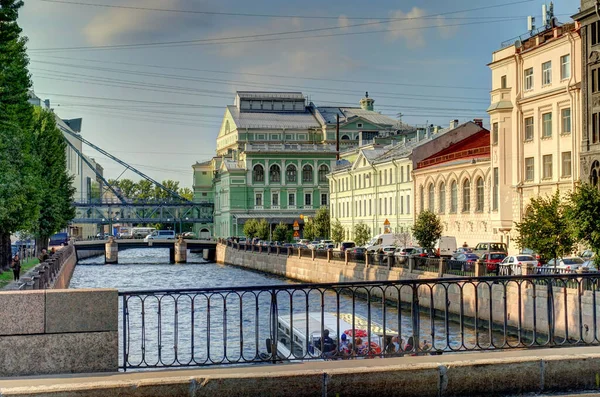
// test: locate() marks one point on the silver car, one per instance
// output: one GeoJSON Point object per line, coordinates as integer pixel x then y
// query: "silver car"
{"type": "Point", "coordinates": [563, 265]}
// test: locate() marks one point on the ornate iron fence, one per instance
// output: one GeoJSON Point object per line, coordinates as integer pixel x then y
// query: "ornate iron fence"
{"type": "Point", "coordinates": [217, 326]}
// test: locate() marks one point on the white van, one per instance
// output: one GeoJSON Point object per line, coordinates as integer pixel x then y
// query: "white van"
{"type": "Point", "coordinates": [445, 246]}
{"type": "Point", "coordinates": [161, 234]}
{"type": "Point", "coordinates": [379, 241]}
{"type": "Point", "coordinates": [141, 232]}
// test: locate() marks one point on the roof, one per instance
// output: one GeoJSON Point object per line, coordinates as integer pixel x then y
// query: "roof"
{"type": "Point", "coordinates": [273, 120]}
{"type": "Point", "coordinates": [329, 114]}
{"type": "Point", "coordinates": [476, 145]}
{"type": "Point", "coordinates": [207, 162]}
{"type": "Point", "coordinates": [270, 95]}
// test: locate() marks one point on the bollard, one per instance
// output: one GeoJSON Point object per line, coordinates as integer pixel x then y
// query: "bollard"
{"type": "Point", "coordinates": [390, 260]}
{"type": "Point", "coordinates": [278, 250]}
{"type": "Point", "coordinates": [411, 264]}
{"type": "Point", "coordinates": [441, 268]}
{"type": "Point", "coordinates": [42, 275]}
{"type": "Point", "coordinates": [36, 281]}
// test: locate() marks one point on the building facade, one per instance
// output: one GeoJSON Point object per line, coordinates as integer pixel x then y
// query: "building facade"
{"type": "Point", "coordinates": [535, 128]}
{"type": "Point", "coordinates": [589, 59]}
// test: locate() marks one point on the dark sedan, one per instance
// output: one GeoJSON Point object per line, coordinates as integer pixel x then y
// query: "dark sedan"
{"type": "Point", "coordinates": [464, 262]}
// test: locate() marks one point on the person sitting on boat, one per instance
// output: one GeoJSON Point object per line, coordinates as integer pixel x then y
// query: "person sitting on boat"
{"type": "Point", "coordinates": [326, 345]}
{"type": "Point", "coordinates": [390, 348]}
{"type": "Point", "coordinates": [345, 347]}
{"type": "Point", "coordinates": [410, 345]}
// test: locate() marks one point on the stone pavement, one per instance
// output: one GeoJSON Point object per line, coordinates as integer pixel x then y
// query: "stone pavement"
{"type": "Point", "coordinates": [517, 372]}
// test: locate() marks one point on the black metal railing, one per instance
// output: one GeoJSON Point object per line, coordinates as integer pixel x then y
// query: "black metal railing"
{"type": "Point", "coordinates": [217, 326]}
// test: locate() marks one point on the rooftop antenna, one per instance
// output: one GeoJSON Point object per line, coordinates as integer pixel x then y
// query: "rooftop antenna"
{"type": "Point", "coordinates": [530, 24]}
{"type": "Point", "coordinates": [544, 15]}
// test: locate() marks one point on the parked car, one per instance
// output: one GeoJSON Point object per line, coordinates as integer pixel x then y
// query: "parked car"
{"type": "Point", "coordinates": [491, 261]}
{"type": "Point", "coordinates": [358, 252]}
{"type": "Point", "coordinates": [61, 239]}
{"type": "Point", "coordinates": [464, 262]}
{"type": "Point", "coordinates": [513, 264]}
{"type": "Point", "coordinates": [189, 235]}
{"type": "Point", "coordinates": [563, 265]}
{"type": "Point", "coordinates": [160, 234]}
{"type": "Point", "coordinates": [482, 248]}
{"type": "Point", "coordinates": [462, 250]}
{"type": "Point", "coordinates": [445, 246]}
{"type": "Point", "coordinates": [347, 245]}
{"type": "Point", "coordinates": [590, 265]}
{"type": "Point", "coordinates": [587, 254]}
{"type": "Point", "coordinates": [423, 253]}
{"type": "Point", "coordinates": [529, 251]}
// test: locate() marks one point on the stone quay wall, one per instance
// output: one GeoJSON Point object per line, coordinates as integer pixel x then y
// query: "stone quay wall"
{"type": "Point", "coordinates": [517, 303]}
{"type": "Point", "coordinates": [58, 331]}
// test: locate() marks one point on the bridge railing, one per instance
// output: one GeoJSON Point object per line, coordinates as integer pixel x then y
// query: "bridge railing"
{"type": "Point", "coordinates": [45, 274]}
{"type": "Point", "coordinates": [218, 326]}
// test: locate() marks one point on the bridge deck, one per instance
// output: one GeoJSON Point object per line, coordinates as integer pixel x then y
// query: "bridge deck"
{"type": "Point", "coordinates": [139, 243]}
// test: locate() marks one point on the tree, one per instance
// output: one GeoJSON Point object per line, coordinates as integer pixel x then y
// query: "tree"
{"type": "Point", "coordinates": [129, 188]}
{"type": "Point", "coordinates": [186, 192]}
{"type": "Point", "coordinates": [337, 231]}
{"type": "Point", "coordinates": [546, 228]}
{"type": "Point", "coordinates": [427, 229]}
{"type": "Point", "coordinates": [280, 232]}
{"type": "Point", "coordinates": [403, 239]}
{"type": "Point", "coordinates": [362, 234]}
{"type": "Point", "coordinates": [251, 228]}
{"type": "Point", "coordinates": [309, 230]}
{"type": "Point", "coordinates": [262, 229]}
{"type": "Point", "coordinates": [55, 184]}
{"type": "Point", "coordinates": [161, 195]}
{"type": "Point", "coordinates": [584, 213]}
{"type": "Point", "coordinates": [321, 222]}
{"type": "Point", "coordinates": [145, 191]}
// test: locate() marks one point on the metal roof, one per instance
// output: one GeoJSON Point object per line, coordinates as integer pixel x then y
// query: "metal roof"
{"type": "Point", "coordinates": [270, 95]}
{"type": "Point", "coordinates": [273, 120]}
{"type": "Point", "coordinates": [330, 113]}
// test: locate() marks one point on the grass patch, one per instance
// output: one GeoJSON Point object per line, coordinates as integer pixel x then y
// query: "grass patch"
{"type": "Point", "coordinates": [7, 277]}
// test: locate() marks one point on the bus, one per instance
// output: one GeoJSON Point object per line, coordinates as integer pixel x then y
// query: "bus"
{"type": "Point", "coordinates": [141, 232]}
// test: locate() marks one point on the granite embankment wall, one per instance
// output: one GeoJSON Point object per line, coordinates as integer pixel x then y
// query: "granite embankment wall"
{"type": "Point", "coordinates": [58, 331]}
{"type": "Point", "coordinates": [517, 303]}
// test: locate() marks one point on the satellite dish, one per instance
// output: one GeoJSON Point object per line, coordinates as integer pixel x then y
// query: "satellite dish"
{"type": "Point", "coordinates": [518, 44]}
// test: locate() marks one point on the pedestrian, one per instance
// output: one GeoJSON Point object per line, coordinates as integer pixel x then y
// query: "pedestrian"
{"type": "Point", "coordinates": [43, 256]}
{"type": "Point", "coordinates": [16, 266]}
{"type": "Point", "coordinates": [52, 251]}
{"type": "Point", "coordinates": [465, 245]}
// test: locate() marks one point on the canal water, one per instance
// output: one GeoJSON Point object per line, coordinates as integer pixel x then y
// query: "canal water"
{"type": "Point", "coordinates": [213, 328]}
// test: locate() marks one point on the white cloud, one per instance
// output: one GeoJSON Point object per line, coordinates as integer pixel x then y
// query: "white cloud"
{"type": "Point", "coordinates": [343, 21]}
{"type": "Point", "coordinates": [412, 27]}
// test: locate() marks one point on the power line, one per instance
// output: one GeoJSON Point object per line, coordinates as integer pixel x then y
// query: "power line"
{"type": "Point", "coordinates": [239, 14]}
{"type": "Point", "coordinates": [227, 40]}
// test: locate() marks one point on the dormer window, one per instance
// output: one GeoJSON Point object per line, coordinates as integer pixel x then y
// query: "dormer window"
{"type": "Point", "coordinates": [359, 125]}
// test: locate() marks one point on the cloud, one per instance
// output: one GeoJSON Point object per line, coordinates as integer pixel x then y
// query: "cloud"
{"type": "Point", "coordinates": [343, 21]}
{"type": "Point", "coordinates": [413, 26]}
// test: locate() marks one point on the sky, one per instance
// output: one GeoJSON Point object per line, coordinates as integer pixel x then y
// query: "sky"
{"type": "Point", "coordinates": [152, 85]}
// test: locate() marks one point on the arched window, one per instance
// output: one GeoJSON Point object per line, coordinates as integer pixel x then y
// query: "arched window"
{"type": "Point", "coordinates": [345, 138]}
{"type": "Point", "coordinates": [442, 203]}
{"type": "Point", "coordinates": [422, 198]}
{"type": "Point", "coordinates": [466, 193]}
{"type": "Point", "coordinates": [323, 171]}
{"type": "Point", "coordinates": [480, 194]}
{"type": "Point", "coordinates": [275, 174]}
{"type": "Point", "coordinates": [307, 174]}
{"type": "Point", "coordinates": [453, 197]}
{"type": "Point", "coordinates": [595, 173]}
{"type": "Point", "coordinates": [430, 197]}
{"type": "Point", "coordinates": [291, 175]}
{"type": "Point", "coordinates": [258, 173]}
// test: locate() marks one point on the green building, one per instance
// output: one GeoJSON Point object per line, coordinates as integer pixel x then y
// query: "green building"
{"type": "Point", "coordinates": [274, 152]}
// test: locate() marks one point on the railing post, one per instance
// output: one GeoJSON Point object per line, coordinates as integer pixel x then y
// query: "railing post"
{"type": "Point", "coordinates": [479, 272]}
{"type": "Point", "coordinates": [411, 264]}
{"type": "Point", "coordinates": [367, 256]}
{"type": "Point", "coordinates": [328, 255]}
{"type": "Point", "coordinates": [441, 267]}
{"type": "Point", "coordinates": [415, 317]}
{"type": "Point", "coordinates": [346, 257]}
{"type": "Point", "coordinates": [390, 257]}
{"type": "Point", "coordinates": [278, 250]}
{"type": "Point", "coordinates": [550, 311]}
{"type": "Point", "coordinates": [312, 254]}
{"type": "Point", "coordinates": [299, 253]}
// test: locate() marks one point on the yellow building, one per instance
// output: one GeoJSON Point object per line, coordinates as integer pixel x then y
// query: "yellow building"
{"type": "Point", "coordinates": [535, 122]}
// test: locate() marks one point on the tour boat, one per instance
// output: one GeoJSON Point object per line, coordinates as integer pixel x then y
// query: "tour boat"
{"type": "Point", "coordinates": [302, 341]}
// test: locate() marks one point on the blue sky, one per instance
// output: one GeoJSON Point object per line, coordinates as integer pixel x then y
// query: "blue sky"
{"type": "Point", "coordinates": [159, 107]}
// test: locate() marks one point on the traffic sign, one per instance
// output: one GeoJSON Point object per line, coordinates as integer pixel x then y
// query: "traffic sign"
{"type": "Point", "coordinates": [296, 225]}
{"type": "Point", "coordinates": [296, 234]}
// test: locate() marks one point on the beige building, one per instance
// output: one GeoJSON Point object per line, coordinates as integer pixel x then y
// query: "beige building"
{"type": "Point", "coordinates": [452, 179]}
{"type": "Point", "coordinates": [535, 122]}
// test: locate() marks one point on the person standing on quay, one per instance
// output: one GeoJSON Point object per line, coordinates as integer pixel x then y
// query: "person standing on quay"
{"type": "Point", "coordinates": [16, 266]}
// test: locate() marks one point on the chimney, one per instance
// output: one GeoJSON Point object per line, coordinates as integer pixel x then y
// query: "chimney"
{"type": "Point", "coordinates": [479, 122]}
{"type": "Point", "coordinates": [453, 123]}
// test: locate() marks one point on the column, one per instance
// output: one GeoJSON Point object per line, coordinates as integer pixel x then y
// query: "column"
{"type": "Point", "coordinates": [111, 251]}
{"type": "Point", "coordinates": [180, 251]}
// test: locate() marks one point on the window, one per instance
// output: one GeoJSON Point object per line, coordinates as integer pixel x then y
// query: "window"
{"type": "Point", "coordinates": [307, 198]}
{"type": "Point", "coordinates": [307, 174]}
{"type": "Point", "coordinates": [408, 173]}
{"type": "Point", "coordinates": [453, 197]}
{"type": "Point", "coordinates": [528, 79]}
{"type": "Point", "coordinates": [480, 194]}
{"type": "Point", "coordinates": [258, 173]}
{"type": "Point", "coordinates": [380, 207]}
{"type": "Point", "coordinates": [503, 81]}
{"type": "Point", "coordinates": [421, 198]}
{"type": "Point", "coordinates": [323, 171]}
{"type": "Point", "coordinates": [594, 80]}
{"type": "Point", "coordinates": [408, 204]}
{"type": "Point", "coordinates": [547, 161]}
{"type": "Point", "coordinates": [324, 199]}
{"type": "Point", "coordinates": [546, 73]}
{"type": "Point", "coordinates": [595, 119]}
{"type": "Point", "coordinates": [275, 173]}
{"type": "Point", "coordinates": [595, 33]}
{"type": "Point", "coordinates": [291, 175]}
{"type": "Point", "coordinates": [359, 125]}
{"type": "Point", "coordinates": [566, 164]}
{"type": "Point", "coordinates": [275, 199]}
{"type": "Point", "coordinates": [430, 197]}
{"type": "Point", "coordinates": [401, 205]}
{"type": "Point", "coordinates": [442, 203]}
{"type": "Point", "coordinates": [258, 199]}
{"type": "Point", "coordinates": [370, 208]}
{"type": "Point", "coordinates": [385, 206]}
{"type": "Point", "coordinates": [565, 67]}
{"type": "Point", "coordinates": [565, 116]}
{"type": "Point", "coordinates": [546, 125]}
{"type": "Point", "coordinates": [496, 181]}
{"type": "Point", "coordinates": [495, 134]}
{"type": "Point", "coordinates": [384, 177]}
{"type": "Point", "coordinates": [529, 169]}
{"type": "Point", "coordinates": [292, 199]}
{"type": "Point", "coordinates": [466, 196]}
{"type": "Point", "coordinates": [402, 174]}
{"type": "Point", "coordinates": [529, 129]}
{"type": "Point", "coordinates": [380, 178]}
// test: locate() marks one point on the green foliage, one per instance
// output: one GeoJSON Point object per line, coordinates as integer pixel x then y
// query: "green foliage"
{"type": "Point", "coordinates": [337, 231]}
{"type": "Point", "coordinates": [251, 228]}
{"type": "Point", "coordinates": [584, 214]}
{"type": "Point", "coordinates": [187, 193]}
{"type": "Point", "coordinates": [280, 232]}
{"type": "Point", "coordinates": [262, 229]}
{"type": "Point", "coordinates": [427, 229]}
{"type": "Point", "coordinates": [309, 231]}
{"type": "Point", "coordinates": [145, 190]}
{"type": "Point", "coordinates": [362, 234]}
{"type": "Point", "coordinates": [321, 222]}
{"type": "Point", "coordinates": [546, 228]}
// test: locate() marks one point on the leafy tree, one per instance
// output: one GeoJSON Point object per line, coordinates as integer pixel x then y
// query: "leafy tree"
{"type": "Point", "coordinates": [309, 231]}
{"type": "Point", "coordinates": [321, 222]}
{"type": "Point", "coordinates": [161, 195]}
{"type": "Point", "coordinates": [186, 192]}
{"type": "Point", "coordinates": [337, 231]}
{"type": "Point", "coordinates": [262, 229]}
{"type": "Point", "coordinates": [280, 232]}
{"type": "Point", "coordinates": [546, 228]}
{"type": "Point", "coordinates": [251, 228]}
{"type": "Point", "coordinates": [54, 184]}
{"type": "Point", "coordinates": [145, 191]}
{"type": "Point", "coordinates": [584, 214]}
{"type": "Point", "coordinates": [362, 234]}
{"type": "Point", "coordinates": [129, 188]}
{"type": "Point", "coordinates": [427, 229]}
